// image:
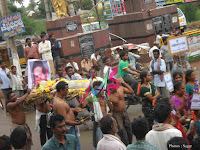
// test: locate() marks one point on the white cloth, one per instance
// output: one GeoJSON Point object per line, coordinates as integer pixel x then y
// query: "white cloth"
{"type": "Point", "coordinates": [110, 142]}
{"type": "Point", "coordinates": [97, 110]}
{"type": "Point", "coordinates": [37, 119]}
{"type": "Point", "coordinates": [93, 57]}
{"type": "Point", "coordinates": [99, 79]}
{"type": "Point", "coordinates": [75, 65]}
{"type": "Point", "coordinates": [106, 69]}
{"type": "Point", "coordinates": [151, 52]}
{"type": "Point", "coordinates": [45, 50]}
{"type": "Point", "coordinates": [159, 139]}
{"type": "Point", "coordinates": [16, 81]}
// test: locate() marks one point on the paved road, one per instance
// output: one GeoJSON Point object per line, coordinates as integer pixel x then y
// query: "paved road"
{"type": "Point", "coordinates": [85, 138]}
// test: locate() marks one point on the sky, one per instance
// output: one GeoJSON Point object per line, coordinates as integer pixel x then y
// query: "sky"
{"type": "Point", "coordinates": [26, 2]}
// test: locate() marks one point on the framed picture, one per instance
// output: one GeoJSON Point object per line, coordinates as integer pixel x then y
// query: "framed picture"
{"type": "Point", "coordinates": [178, 45]}
{"type": "Point", "coordinates": [71, 26]}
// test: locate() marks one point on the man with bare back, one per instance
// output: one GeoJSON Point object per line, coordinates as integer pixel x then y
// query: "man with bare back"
{"type": "Point", "coordinates": [119, 110]}
{"type": "Point", "coordinates": [43, 111]}
{"type": "Point", "coordinates": [100, 107]}
{"type": "Point", "coordinates": [15, 107]}
{"type": "Point", "coordinates": [60, 106]}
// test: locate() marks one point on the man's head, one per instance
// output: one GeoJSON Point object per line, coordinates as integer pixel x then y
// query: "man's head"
{"type": "Point", "coordinates": [140, 128]}
{"type": "Point", "coordinates": [108, 125]}
{"type": "Point", "coordinates": [5, 143]}
{"type": "Point", "coordinates": [124, 55]}
{"type": "Point", "coordinates": [62, 88]}
{"type": "Point", "coordinates": [69, 70]}
{"type": "Point", "coordinates": [52, 37]}
{"type": "Point", "coordinates": [96, 53]}
{"type": "Point", "coordinates": [11, 96]}
{"type": "Point", "coordinates": [93, 72]}
{"type": "Point", "coordinates": [162, 113]}
{"type": "Point", "coordinates": [62, 62]}
{"type": "Point", "coordinates": [156, 44]}
{"type": "Point", "coordinates": [13, 69]}
{"type": "Point", "coordinates": [156, 53]}
{"type": "Point", "coordinates": [164, 40]}
{"type": "Point", "coordinates": [2, 64]}
{"type": "Point", "coordinates": [85, 56]}
{"type": "Point", "coordinates": [160, 32]}
{"type": "Point", "coordinates": [18, 138]}
{"type": "Point", "coordinates": [102, 53]}
{"type": "Point", "coordinates": [34, 40]}
{"type": "Point", "coordinates": [177, 141]}
{"type": "Point", "coordinates": [71, 59]}
{"type": "Point", "coordinates": [59, 70]}
{"type": "Point", "coordinates": [39, 72]}
{"type": "Point", "coordinates": [106, 61]}
{"type": "Point", "coordinates": [58, 125]}
{"type": "Point", "coordinates": [43, 37]}
{"type": "Point", "coordinates": [96, 84]}
{"type": "Point", "coordinates": [28, 41]}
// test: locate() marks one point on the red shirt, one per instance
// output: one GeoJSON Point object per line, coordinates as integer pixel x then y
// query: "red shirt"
{"type": "Point", "coordinates": [31, 52]}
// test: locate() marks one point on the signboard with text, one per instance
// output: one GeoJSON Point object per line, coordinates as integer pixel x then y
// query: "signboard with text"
{"type": "Point", "coordinates": [195, 101]}
{"type": "Point", "coordinates": [169, 2]}
{"type": "Point", "coordinates": [178, 45]}
{"type": "Point", "coordinates": [168, 81]}
{"type": "Point", "coordinates": [194, 44]}
{"type": "Point", "coordinates": [12, 25]}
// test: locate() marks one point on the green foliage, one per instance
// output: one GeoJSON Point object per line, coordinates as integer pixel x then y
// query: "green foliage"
{"type": "Point", "coordinates": [41, 8]}
{"type": "Point", "coordinates": [86, 4]}
{"type": "Point", "coordinates": [191, 11]}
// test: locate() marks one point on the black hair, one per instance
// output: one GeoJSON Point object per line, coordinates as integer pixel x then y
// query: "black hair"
{"type": "Point", "coordinates": [188, 75]}
{"type": "Point", "coordinates": [8, 93]}
{"type": "Point", "coordinates": [97, 83]}
{"type": "Point", "coordinates": [58, 67]}
{"type": "Point", "coordinates": [105, 59]}
{"type": "Point", "coordinates": [177, 86]}
{"type": "Point", "coordinates": [1, 61]}
{"type": "Point", "coordinates": [164, 39]}
{"type": "Point", "coordinates": [177, 141]}
{"type": "Point", "coordinates": [51, 35]}
{"type": "Point", "coordinates": [27, 39]}
{"type": "Point", "coordinates": [143, 74]}
{"type": "Point", "coordinates": [106, 124]}
{"type": "Point", "coordinates": [196, 143]}
{"type": "Point", "coordinates": [140, 127]}
{"type": "Point", "coordinates": [156, 50]}
{"type": "Point", "coordinates": [13, 67]}
{"type": "Point", "coordinates": [122, 54]}
{"type": "Point", "coordinates": [63, 60]}
{"type": "Point", "coordinates": [31, 58]}
{"type": "Point", "coordinates": [18, 138]}
{"type": "Point", "coordinates": [54, 119]}
{"type": "Point", "coordinates": [161, 99]}
{"type": "Point", "coordinates": [61, 86]}
{"type": "Point", "coordinates": [38, 64]}
{"type": "Point", "coordinates": [5, 143]}
{"type": "Point", "coordinates": [175, 73]}
{"type": "Point", "coordinates": [67, 68]}
{"type": "Point", "coordinates": [162, 111]}
{"type": "Point", "coordinates": [160, 31]}
{"type": "Point", "coordinates": [42, 35]}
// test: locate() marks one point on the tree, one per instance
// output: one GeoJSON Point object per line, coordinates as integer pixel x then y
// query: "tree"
{"type": "Point", "coordinates": [47, 10]}
{"type": "Point", "coordinates": [86, 4]}
{"type": "Point", "coordinates": [10, 41]}
{"type": "Point", "coordinates": [32, 5]}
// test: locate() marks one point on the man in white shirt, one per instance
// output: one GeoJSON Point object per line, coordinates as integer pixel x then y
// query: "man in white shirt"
{"type": "Point", "coordinates": [45, 51]}
{"type": "Point", "coordinates": [75, 67]}
{"type": "Point", "coordinates": [109, 141]}
{"type": "Point", "coordinates": [162, 132]}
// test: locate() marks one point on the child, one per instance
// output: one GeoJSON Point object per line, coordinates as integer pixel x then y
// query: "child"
{"type": "Point", "coordinates": [177, 76]}
{"type": "Point", "coordinates": [107, 63]}
{"type": "Point", "coordinates": [180, 99]}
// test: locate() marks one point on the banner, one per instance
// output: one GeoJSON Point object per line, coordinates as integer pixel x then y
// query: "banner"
{"type": "Point", "coordinates": [194, 44]}
{"type": "Point", "coordinates": [38, 70]}
{"type": "Point", "coordinates": [12, 25]}
{"type": "Point", "coordinates": [174, 1]}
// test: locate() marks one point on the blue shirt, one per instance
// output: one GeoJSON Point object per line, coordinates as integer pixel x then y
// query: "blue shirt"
{"type": "Point", "coordinates": [54, 144]}
{"type": "Point", "coordinates": [157, 81]}
{"type": "Point", "coordinates": [141, 145]}
{"type": "Point", "coordinates": [4, 78]}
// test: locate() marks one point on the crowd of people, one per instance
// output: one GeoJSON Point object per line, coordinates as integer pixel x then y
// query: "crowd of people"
{"type": "Point", "coordinates": [168, 122]}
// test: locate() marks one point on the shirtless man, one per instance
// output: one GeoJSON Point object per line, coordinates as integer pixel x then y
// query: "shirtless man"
{"type": "Point", "coordinates": [119, 111]}
{"type": "Point", "coordinates": [15, 107]}
{"type": "Point", "coordinates": [60, 106]}
{"type": "Point", "coordinates": [104, 104]}
{"type": "Point", "coordinates": [43, 111]}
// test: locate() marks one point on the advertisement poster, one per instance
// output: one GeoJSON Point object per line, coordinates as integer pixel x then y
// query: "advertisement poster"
{"type": "Point", "coordinates": [168, 81]}
{"type": "Point", "coordinates": [12, 25]}
{"type": "Point", "coordinates": [178, 45]}
{"type": "Point", "coordinates": [38, 70]}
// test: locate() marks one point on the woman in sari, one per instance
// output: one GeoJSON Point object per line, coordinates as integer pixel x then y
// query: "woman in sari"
{"type": "Point", "coordinates": [190, 81]}
{"type": "Point", "coordinates": [148, 93]}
